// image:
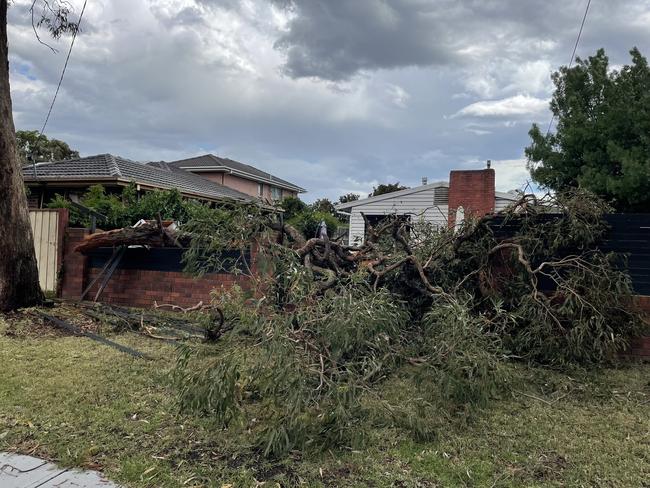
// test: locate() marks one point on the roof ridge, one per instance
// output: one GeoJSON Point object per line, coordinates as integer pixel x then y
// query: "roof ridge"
{"type": "Point", "coordinates": [112, 164]}
{"type": "Point", "coordinates": [175, 162]}
{"type": "Point", "coordinates": [393, 194]}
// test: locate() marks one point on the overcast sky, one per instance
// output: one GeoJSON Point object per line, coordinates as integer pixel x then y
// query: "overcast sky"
{"type": "Point", "coordinates": [334, 95]}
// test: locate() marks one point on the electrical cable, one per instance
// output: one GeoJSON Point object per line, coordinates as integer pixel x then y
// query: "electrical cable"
{"type": "Point", "coordinates": [573, 55]}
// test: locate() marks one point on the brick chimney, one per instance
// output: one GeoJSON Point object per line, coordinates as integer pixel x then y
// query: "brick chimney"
{"type": "Point", "coordinates": [473, 190]}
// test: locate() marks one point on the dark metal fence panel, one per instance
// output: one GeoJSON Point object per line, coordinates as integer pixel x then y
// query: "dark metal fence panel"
{"type": "Point", "coordinates": [157, 259]}
{"type": "Point", "coordinates": [628, 235]}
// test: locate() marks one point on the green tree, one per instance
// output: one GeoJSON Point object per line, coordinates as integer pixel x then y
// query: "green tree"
{"type": "Point", "coordinates": [31, 144]}
{"type": "Point", "coordinates": [292, 206]}
{"type": "Point", "coordinates": [384, 188]}
{"type": "Point", "coordinates": [602, 140]}
{"type": "Point", "coordinates": [324, 205]}
{"type": "Point", "coordinates": [308, 221]}
{"type": "Point", "coordinates": [348, 197]}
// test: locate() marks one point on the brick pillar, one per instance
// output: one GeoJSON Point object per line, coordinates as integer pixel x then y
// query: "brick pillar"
{"type": "Point", "coordinates": [64, 219]}
{"type": "Point", "coordinates": [74, 265]}
{"type": "Point", "coordinates": [473, 190]}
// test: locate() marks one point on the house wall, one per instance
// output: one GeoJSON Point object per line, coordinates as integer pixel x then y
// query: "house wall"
{"type": "Point", "coordinates": [501, 203]}
{"type": "Point", "coordinates": [419, 204]}
{"type": "Point", "coordinates": [40, 195]}
{"type": "Point", "coordinates": [231, 181]}
{"type": "Point", "coordinates": [242, 184]}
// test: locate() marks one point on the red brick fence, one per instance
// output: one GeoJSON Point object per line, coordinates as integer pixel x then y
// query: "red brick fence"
{"type": "Point", "coordinates": [139, 282]}
{"type": "Point", "coordinates": [132, 284]}
{"type": "Point", "coordinates": [640, 347]}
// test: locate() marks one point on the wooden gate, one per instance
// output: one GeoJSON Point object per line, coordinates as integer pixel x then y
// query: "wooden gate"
{"type": "Point", "coordinates": [47, 228]}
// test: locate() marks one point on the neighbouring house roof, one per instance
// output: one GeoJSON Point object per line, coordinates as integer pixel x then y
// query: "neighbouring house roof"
{"type": "Point", "coordinates": [212, 163]}
{"type": "Point", "coordinates": [410, 191]}
{"type": "Point", "coordinates": [106, 168]}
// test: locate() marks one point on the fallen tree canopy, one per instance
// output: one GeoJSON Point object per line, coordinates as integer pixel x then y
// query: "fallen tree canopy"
{"type": "Point", "coordinates": [329, 322]}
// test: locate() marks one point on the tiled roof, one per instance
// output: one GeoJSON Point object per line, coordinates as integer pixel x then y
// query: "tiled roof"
{"type": "Point", "coordinates": [109, 167]}
{"type": "Point", "coordinates": [246, 170]}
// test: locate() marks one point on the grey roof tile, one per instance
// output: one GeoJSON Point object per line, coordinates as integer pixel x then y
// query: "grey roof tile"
{"type": "Point", "coordinates": [109, 167]}
{"type": "Point", "coordinates": [208, 160]}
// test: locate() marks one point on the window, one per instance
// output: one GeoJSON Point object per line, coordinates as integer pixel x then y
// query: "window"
{"type": "Point", "coordinates": [260, 189]}
{"type": "Point", "coordinates": [276, 193]}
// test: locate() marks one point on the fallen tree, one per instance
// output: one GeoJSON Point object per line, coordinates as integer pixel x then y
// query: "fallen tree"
{"type": "Point", "coordinates": [153, 234]}
{"type": "Point", "coordinates": [328, 322]}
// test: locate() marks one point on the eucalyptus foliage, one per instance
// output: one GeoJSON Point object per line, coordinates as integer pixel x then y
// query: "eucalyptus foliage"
{"type": "Point", "coordinates": [448, 308]}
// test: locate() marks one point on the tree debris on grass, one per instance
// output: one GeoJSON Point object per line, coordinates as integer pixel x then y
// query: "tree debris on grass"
{"type": "Point", "coordinates": [167, 326]}
{"type": "Point", "coordinates": [326, 323]}
{"type": "Point", "coordinates": [62, 324]}
{"type": "Point", "coordinates": [95, 320]}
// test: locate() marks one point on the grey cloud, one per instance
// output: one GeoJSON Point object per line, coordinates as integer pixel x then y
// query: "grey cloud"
{"type": "Point", "coordinates": [334, 40]}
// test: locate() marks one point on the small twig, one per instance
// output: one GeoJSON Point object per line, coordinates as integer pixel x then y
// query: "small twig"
{"type": "Point", "coordinates": [534, 397]}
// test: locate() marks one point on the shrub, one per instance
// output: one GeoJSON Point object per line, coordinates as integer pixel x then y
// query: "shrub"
{"type": "Point", "coordinates": [126, 208]}
{"type": "Point", "coordinates": [308, 221]}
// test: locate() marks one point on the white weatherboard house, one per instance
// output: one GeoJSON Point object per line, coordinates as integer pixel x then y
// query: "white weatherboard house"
{"type": "Point", "coordinates": [442, 203]}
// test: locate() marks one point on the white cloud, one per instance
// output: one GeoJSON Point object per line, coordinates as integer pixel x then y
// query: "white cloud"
{"type": "Point", "coordinates": [511, 174]}
{"type": "Point", "coordinates": [517, 105]}
{"type": "Point", "coordinates": [398, 95]}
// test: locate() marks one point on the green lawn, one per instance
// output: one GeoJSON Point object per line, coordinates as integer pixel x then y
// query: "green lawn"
{"type": "Point", "coordinates": [83, 404]}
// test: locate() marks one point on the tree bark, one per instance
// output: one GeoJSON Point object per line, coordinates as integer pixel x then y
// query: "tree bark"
{"type": "Point", "coordinates": [146, 235]}
{"type": "Point", "coordinates": [19, 285]}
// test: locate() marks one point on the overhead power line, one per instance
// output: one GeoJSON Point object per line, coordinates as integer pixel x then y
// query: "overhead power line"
{"type": "Point", "coordinates": [573, 55]}
{"type": "Point", "coordinates": [65, 66]}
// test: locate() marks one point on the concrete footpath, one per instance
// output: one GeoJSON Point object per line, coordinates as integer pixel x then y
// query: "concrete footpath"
{"type": "Point", "coordinates": [18, 471]}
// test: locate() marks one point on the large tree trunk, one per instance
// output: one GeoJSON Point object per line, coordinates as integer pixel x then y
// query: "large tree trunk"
{"type": "Point", "coordinates": [19, 285]}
